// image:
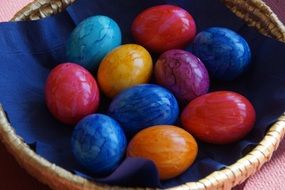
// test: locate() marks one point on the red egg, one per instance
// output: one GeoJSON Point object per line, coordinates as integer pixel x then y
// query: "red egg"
{"type": "Point", "coordinates": [71, 93]}
{"type": "Point", "coordinates": [219, 117]}
{"type": "Point", "coordinates": [164, 27]}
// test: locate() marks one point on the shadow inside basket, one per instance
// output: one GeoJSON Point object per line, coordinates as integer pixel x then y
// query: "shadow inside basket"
{"type": "Point", "coordinates": [28, 51]}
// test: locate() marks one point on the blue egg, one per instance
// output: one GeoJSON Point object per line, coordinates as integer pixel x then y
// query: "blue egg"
{"type": "Point", "coordinates": [91, 40]}
{"type": "Point", "coordinates": [225, 53]}
{"type": "Point", "coordinates": [143, 106]}
{"type": "Point", "coordinates": [98, 143]}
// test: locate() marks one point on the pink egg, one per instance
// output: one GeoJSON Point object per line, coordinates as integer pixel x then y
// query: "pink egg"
{"type": "Point", "coordinates": [71, 93]}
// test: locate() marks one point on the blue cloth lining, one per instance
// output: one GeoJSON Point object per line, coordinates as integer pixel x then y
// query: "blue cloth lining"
{"type": "Point", "coordinates": [29, 49]}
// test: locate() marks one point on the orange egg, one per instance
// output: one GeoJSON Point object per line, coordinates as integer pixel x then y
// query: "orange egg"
{"type": "Point", "coordinates": [171, 148]}
{"type": "Point", "coordinates": [126, 66]}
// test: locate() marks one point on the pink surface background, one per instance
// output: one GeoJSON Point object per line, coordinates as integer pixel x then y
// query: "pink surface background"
{"type": "Point", "coordinates": [9, 7]}
{"type": "Point", "coordinates": [270, 177]}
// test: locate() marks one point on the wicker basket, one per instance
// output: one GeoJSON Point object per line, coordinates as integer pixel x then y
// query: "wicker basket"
{"type": "Point", "coordinates": [254, 12]}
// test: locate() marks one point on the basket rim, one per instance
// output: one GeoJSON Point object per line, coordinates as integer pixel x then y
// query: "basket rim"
{"type": "Point", "coordinates": [59, 178]}
{"type": "Point", "coordinates": [258, 14]}
{"type": "Point", "coordinates": [226, 178]}
{"type": "Point", "coordinates": [37, 9]}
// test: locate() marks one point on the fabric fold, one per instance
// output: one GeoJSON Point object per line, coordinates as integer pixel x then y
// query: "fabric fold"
{"type": "Point", "coordinates": [28, 50]}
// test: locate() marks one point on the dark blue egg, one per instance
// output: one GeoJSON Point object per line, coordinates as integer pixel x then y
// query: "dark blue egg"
{"type": "Point", "coordinates": [91, 40]}
{"type": "Point", "coordinates": [98, 143]}
{"type": "Point", "coordinates": [225, 53]}
{"type": "Point", "coordinates": [143, 106]}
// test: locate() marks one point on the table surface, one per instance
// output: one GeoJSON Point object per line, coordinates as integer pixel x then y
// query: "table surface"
{"type": "Point", "coordinates": [271, 176]}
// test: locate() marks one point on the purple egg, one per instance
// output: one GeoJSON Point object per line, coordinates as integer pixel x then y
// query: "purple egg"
{"type": "Point", "coordinates": [182, 73]}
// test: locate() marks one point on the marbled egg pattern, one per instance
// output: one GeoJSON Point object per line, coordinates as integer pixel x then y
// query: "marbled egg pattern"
{"type": "Point", "coordinates": [224, 52]}
{"type": "Point", "coordinates": [91, 40]}
{"type": "Point", "coordinates": [182, 73]}
{"type": "Point", "coordinates": [143, 106]}
{"type": "Point", "coordinates": [164, 27]}
{"type": "Point", "coordinates": [98, 143]}
{"type": "Point", "coordinates": [126, 66]}
{"type": "Point", "coordinates": [71, 93]}
{"type": "Point", "coordinates": [171, 148]}
{"type": "Point", "coordinates": [219, 117]}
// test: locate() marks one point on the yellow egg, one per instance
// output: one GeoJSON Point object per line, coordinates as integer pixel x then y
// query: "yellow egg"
{"type": "Point", "coordinates": [124, 67]}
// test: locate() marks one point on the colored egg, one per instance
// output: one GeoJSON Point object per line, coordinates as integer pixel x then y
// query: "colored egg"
{"type": "Point", "coordinates": [98, 144]}
{"type": "Point", "coordinates": [91, 40]}
{"type": "Point", "coordinates": [219, 117]}
{"type": "Point", "coordinates": [225, 53]}
{"type": "Point", "coordinates": [142, 106]}
{"type": "Point", "coordinates": [164, 27]}
{"type": "Point", "coordinates": [182, 73]}
{"type": "Point", "coordinates": [171, 148]}
{"type": "Point", "coordinates": [124, 67]}
{"type": "Point", "coordinates": [71, 93]}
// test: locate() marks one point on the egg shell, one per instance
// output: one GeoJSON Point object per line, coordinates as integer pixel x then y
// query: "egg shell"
{"type": "Point", "coordinates": [91, 40]}
{"type": "Point", "coordinates": [142, 106]}
{"type": "Point", "coordinates": [183, 74]}
{"type": "Point", "coordinates": [98, 144]}
{"type": "Point", "coordinates": [219, 117]}
{"type": "Point", "coordinates": [225, 53]}
{"type": "Point", "coordinates": [171, 148]}
{"type": "Point", "coordinates": [71, 93]}
{"type": "Point", "coordinates": [124, 67]}
{"type": "Point", "coordinates": [164, 27]}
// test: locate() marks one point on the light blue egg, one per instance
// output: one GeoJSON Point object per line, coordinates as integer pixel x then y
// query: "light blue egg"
{"type": "Point", "coordinates": [225, 53]}
{"type": "Point", "coordinates": [98, 143]}
{"type": "Point", "coordinates": [91, 40]}
{"type": "Point", "coordinates": [143, 106]}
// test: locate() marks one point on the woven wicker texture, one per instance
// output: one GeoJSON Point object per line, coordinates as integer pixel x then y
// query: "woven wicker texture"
{"type": "Point", "coordinates": [255, 12]}
{"type": "Point", "coordinates": [60, 179]}
{"type": "Point", "coordinates": [41, 9]}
